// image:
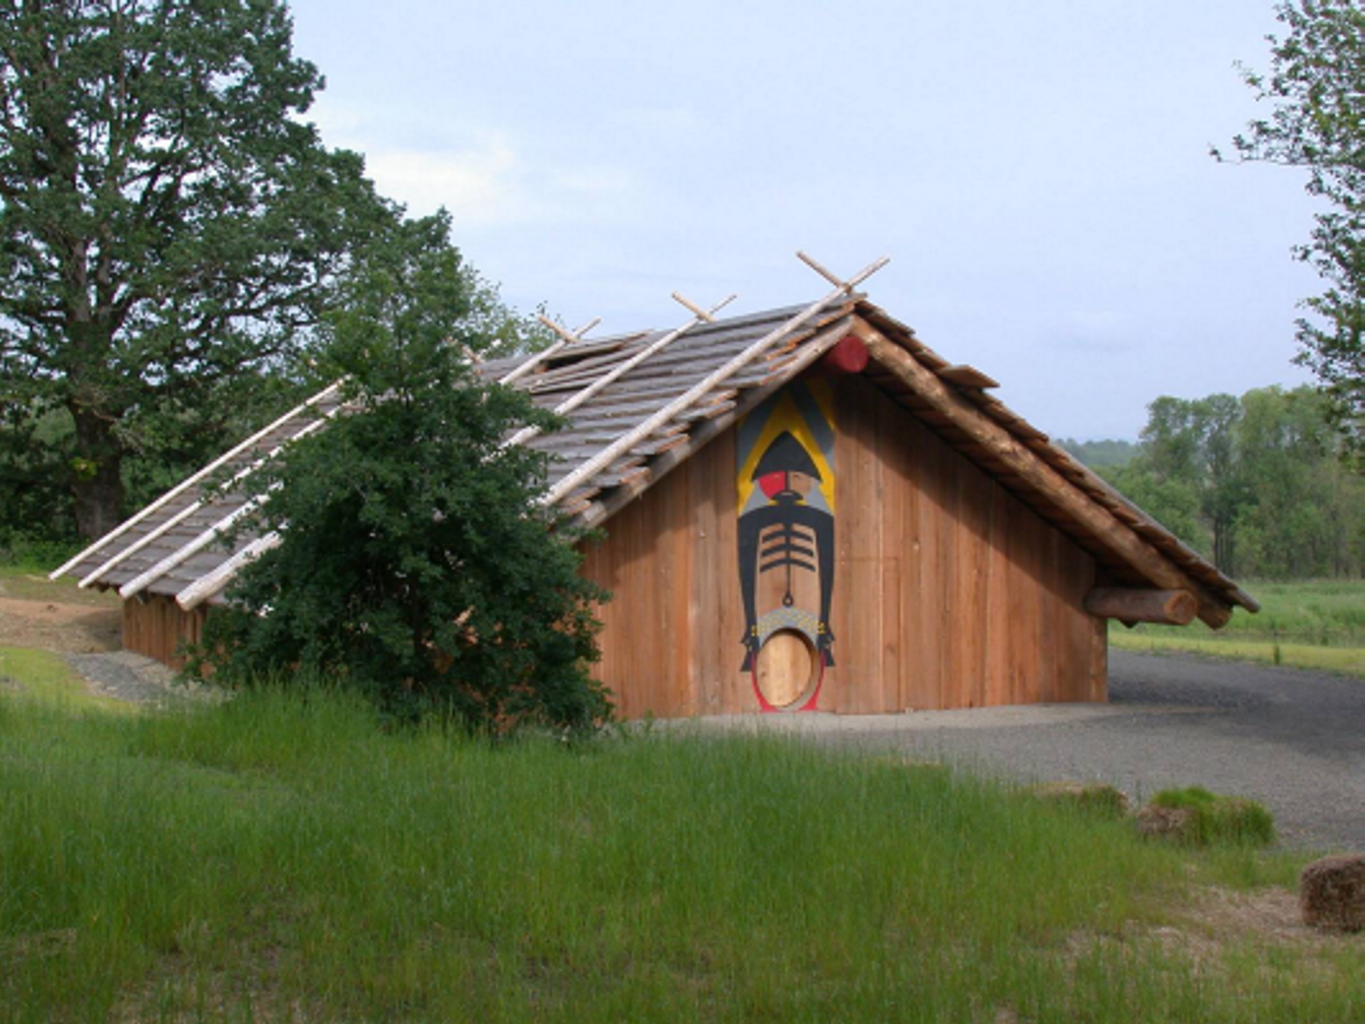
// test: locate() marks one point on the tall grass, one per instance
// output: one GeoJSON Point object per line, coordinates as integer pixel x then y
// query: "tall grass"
{"type": "Point", "coordinates": [281, 856]}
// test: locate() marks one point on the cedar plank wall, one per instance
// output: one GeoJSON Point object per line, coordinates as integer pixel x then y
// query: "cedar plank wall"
{"type": "Point", "coordinates": [949, 592]}
{"type": "Point", "coordinates": [158, 626]}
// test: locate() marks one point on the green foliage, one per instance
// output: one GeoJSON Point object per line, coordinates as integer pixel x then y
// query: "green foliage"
{"type": "Point", "coordinates": [1219, 819]}
{"type": "Point", "coordinates": [33, 512]}
{"type": "Point", "coordinates": [170, 228]}
{"type": "Point", "coordinates": [416, 565]}
{"type": "Point", "coordinates": [1174, 502]}
{"type": "Point", "coordinates": [1256, 483]}
{"type": "Point", "coordinates": [1104, 453]}
{"type": "Point", "coordinates": [1316, 84]}
{"type": "Point", "coordinates": [172, 231]}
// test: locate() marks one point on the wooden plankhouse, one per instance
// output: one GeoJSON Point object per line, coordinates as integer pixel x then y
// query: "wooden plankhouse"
{"type": "Point", "coordinates": [805, 509]}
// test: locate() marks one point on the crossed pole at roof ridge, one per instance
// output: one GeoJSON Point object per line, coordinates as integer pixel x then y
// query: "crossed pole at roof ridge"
{"type": "Point", "coordinates": [699, 315]}
{"type": "Point", "coordinates": [566, 337]}
{"type": "Point", "coordinates": [844, 286]}
{"type": "Point", "coordinates": [709, 315]}
{"type": "Point", "coordinates": [569, 336]}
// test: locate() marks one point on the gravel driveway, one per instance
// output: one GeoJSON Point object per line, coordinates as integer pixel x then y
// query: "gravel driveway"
{"type": "Point", "coordinates": [1291, 739]}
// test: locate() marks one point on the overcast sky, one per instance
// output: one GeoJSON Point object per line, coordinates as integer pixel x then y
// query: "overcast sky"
{"type": "Point", "coordinates": [1037, 172]}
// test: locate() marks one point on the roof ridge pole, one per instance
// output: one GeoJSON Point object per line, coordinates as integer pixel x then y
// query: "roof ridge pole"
{"type": "Point", "coordinates": [566, 337]}
{"type": "Point", "coordinates": [194, 507]}
{"type": "Point", "coordinates": [633, 436]}
{"type": "Point", "coordinates": [571, 403]}
{"type": "Point", "coordinates": [180, 488]}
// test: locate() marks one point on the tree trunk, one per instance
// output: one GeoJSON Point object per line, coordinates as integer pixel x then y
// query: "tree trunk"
{"type": "Point", "coordinates": [1222, 545]}
{"type": "Point", "coordinates": [96, 477]}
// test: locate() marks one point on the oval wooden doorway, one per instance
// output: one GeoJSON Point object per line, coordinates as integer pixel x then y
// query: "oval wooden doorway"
{"type": "Point", "coordinates": [786, 668]}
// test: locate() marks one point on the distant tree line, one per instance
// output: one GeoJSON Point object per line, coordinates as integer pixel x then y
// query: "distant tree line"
{"type": "Point", "coordinates": [1107, 452]}
{"type": "Point", "coordinates": [1257, 483]}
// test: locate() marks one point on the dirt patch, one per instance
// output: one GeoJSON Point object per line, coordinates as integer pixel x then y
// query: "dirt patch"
{"type": "Point", "coordinates": [58, 626]}
{"type": "Point", "coordinates": [1220, 916]}
{"type": "Point", "coordinates": [1218, 927]}
{"type": "Point", "coordinates": [87, 635]}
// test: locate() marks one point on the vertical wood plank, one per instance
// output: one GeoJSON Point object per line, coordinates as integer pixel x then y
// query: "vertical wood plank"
{"type": "Point", "coordinates": [703, 609]}
{"type": "Point", "coordinates": [948, 590]}
{"type": "Point", "coordinates": [995, 685]}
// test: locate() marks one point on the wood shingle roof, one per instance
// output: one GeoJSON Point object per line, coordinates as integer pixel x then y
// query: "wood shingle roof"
{"type": "Point", "coordinates": [639, 404]}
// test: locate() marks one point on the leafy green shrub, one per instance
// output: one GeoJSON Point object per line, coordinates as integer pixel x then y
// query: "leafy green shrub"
{"type": "Point", "coordinates": [1213, 819]}
{"type": "Point", "coordinates": [34, 550]}
{"type": "Point", "coordinates": [416, 565]}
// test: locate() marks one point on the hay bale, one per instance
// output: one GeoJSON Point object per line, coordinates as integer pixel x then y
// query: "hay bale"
{"type": "Point", "coordinates": [1098, 798]}
{"type": "Point", "coordinates": [1176, 823]}
{"type": "Point", "coordinates": [1332, 893]}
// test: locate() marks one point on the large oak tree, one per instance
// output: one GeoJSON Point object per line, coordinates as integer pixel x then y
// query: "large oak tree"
{"type": "Point", "coordinates": [171, 230]}
{"type": "Point", "coordinates": [1316, 85]}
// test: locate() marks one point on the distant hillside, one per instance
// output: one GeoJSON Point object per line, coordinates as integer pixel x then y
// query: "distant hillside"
{"type": "Point", "coordinates": [1100, 454]}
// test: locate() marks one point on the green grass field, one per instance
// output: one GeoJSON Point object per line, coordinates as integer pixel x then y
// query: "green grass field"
{"type": "Point", "coordinates": [1315, 624]}
{"type": "Point", "coordinates": [30, 583]}
{"type": "Point", "coordinates": [282, 857]}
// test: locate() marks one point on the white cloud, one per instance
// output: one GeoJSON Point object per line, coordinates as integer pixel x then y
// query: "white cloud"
{"type": "Point", "coordinates": [486, 178]}
{"type": "Point", "coordinates": [481, 186]}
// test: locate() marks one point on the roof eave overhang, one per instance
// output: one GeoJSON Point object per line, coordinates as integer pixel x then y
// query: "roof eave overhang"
{"type": "Point", "coordinates": [1042, 482]}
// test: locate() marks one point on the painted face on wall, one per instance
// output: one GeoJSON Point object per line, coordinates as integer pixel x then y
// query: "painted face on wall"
{"type": "Point", "coordinates": [786, 544]}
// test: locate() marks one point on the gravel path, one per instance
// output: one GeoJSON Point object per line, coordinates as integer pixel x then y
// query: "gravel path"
{"type": "Point", "coordinates": [1293, 740]}
{"type": "Point", "coordinates": [135, 678]}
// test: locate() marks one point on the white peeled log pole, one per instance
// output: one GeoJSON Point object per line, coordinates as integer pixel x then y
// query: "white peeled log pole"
{"type": "Point", "coordinates": [187, 551]}
{"type": "Point", "coordinates": [632, 437]}
{"type": "Point", "coordinates": [566, 338]}
{"type": "Point", "coordinates": [810, 351]}
{"type": "Point", "coordinates": [206, 586]}
{"type": "Point", "coordinates": [195, 506]}
{"type": "Point", "coordinates": [658, 345]}
{"type": "Point", "coordinates": [1131, 605]}
{"type": "Point", "coordinates": [184, 485]}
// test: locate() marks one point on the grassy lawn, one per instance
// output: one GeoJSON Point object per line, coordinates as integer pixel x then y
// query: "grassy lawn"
{"type": "Point", "coordinates": [1315, 624]}
{"type": "Point", "coordinates": [285, 858]}
{"type": "Point", "coordinates": [30, 583]}
{"type": "Point", "coordinates": [46, 678]}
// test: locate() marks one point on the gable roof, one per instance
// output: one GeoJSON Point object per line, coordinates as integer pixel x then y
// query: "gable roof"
{"type": "Point", "coordinates": [640, 404]}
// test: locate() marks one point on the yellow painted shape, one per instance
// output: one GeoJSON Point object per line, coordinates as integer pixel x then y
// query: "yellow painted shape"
{"type": "Point", "coordinates": [786, 415]}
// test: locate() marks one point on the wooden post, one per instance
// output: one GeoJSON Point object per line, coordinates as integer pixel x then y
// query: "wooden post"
{"type": "Point", "coordinates": [1168, 607]}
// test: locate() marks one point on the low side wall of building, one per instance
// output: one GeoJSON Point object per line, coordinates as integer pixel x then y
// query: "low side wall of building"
{"type": "Point", "coordinates": [159, 628]}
